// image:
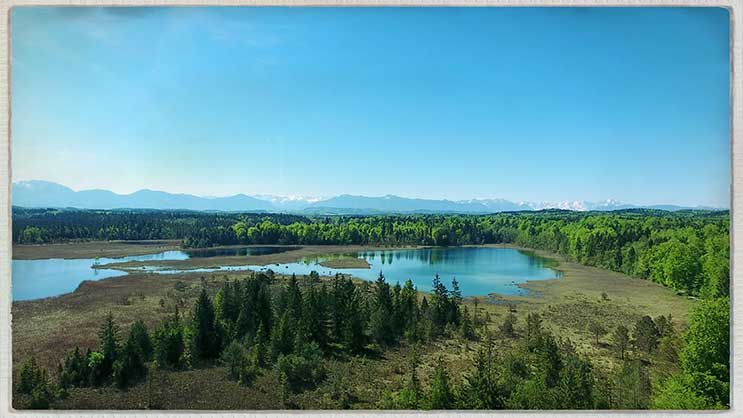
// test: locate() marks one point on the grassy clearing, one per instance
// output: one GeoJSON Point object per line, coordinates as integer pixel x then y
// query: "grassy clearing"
{"type": "Point", "coordinates": [346, 263]}
{"type": "Point", "coordinates": [49, 328]}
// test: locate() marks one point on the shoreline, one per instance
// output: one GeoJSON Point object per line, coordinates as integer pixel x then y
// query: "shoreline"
{"type": "Point", "coordinates": [295, 254]}
{"type": "Point", "coordinates": [51, 327]}
{"type": "Point", "coordinates": [571, 276]}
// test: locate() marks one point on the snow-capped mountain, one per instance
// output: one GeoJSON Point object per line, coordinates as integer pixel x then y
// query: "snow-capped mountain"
{"type": "Point", "coordinates": [37, 193]}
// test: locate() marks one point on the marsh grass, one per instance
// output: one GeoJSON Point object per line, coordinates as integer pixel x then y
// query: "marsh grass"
{"type": "Point", "coordinates": [49, 328]}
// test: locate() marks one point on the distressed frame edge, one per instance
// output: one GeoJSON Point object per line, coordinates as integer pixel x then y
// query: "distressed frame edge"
{"type": "Point", "coordinates": [736, 193]}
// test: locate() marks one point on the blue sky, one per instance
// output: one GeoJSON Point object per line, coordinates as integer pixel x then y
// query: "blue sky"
{"type": "Point", "coordinates": [524, 104]}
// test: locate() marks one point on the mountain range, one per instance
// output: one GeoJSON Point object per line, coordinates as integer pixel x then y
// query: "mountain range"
{"type": "Point", "coordinates": [38, 193]}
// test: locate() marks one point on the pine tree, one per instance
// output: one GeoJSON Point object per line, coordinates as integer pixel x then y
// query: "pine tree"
{"type": "Point", "coordinates": [440, 395]}
{"type": "Point", "coordinates": [75, 371]}
{"type": "Point", "coordinates": [575, 387]}
{"type": "Point", "coordinates": [41, 395]}
{"type": "Point", "coordinates": [533, 330]}
{"type": "Point", "coordinates": [632, 387]}
{"type": "Point", "coordinates": [454, 315]}
{"type": "Point", "coordinates": [294, 299]}
{"type": "Point", "coordinates": [130, 366]}
{"type": "Point", "coordinates": [314, 317]}
{"type": "Point", "coordinates": [206, 342]}
{"type": "Point", "coordinates": [381, 324]}
{"type": "Point", "coordinates": [169, 342]}
{"type": "Point", "coordinates": [440, 304]}
{"type": "Point", "coordinates": [507, 327]}
{"type": "Point", "coordinates": [354, 338]}
{"type": "Point", "coordinates": [646, 334]}
{"type": "Point", "coordinates": [481, 389]}
{"type": "Point", "coordinates": [409, 312]}
{"type": "Point", "coordinates": [142, 339]}
{"type": "Point", "coordinates": [282, 337]}
{"type": "Point", "coordinates": [465, 325]}
{"type": "Point", "coordinates": [108, 346]}
{"type": "Point", "coordinates": [29, 376]}
{"type": "Point", "coordinates": [260, 345]}
{"type": "Point", "coordinates": [621, 340]}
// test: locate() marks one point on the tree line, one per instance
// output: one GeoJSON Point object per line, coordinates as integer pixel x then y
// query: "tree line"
{"type": "Point", "coordinates": [687, 250]}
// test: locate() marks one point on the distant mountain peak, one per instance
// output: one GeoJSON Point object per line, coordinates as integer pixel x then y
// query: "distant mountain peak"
{"type": "Point", "coordinates": [40, 193]}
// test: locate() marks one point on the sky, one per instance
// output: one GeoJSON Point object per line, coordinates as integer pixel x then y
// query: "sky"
{"type": "Point", "coordinates": [536, 104]}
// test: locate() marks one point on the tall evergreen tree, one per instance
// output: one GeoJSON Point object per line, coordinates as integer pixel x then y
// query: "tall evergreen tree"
{"type": "Point", "coordinates": [481, 389]}
{"type": "Point", "coordinates": [282, 336]}
{"type": "Point", "coordinates": [441, 395]}
{"type": "Point", "coordinates": [108, 345]}
{"type": "Point", "coordinates": [206, 338]}
{"type": "Point", "coordinates": [381, 320]}
{"type": "Point", "coordinates": [169, 342]}
{"type": "Point", "coordinates": [646, 334]}
{"type": "Point", "coordinates": [138, 332]}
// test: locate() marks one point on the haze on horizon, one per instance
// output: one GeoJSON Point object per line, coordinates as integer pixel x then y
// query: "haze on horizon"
{"type": "Point", "coordinates": [525, 104]}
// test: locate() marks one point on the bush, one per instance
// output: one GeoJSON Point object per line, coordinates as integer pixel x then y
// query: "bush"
{"type": "Point", "coordinates": [301, 371]}
{"type": "Point", "coordinates": [95, 362]}
{"type": "Point", "coordinates": [131, 366]}
{"type": "Point", "coordinates": [41, 396]}
{"type": "Point", "coordinates": [241, 364]}
{"type": "Point", "coordinates": [30, 376]}
{"type": "Point", "coordinates": [75, 371]}
{"type": "Point", "coordinates": [169, 345]}
{"type": "Point", "coordinates": [33, 381]}
{"type": "Point", "coordinates": [141, 337]}
{"type": "Point", "coordinates": [506, 328]}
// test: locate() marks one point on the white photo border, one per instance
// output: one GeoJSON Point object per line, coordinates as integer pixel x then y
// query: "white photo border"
{"type": "Point", "coordinates": [735, 8]}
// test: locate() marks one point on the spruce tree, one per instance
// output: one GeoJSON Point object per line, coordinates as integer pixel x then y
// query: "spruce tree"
{"type": "Point", "coordinates": [465, 325]}
{"type": "Point", "coordinates": [381, 319]}
{"type": "Point", "coordinates": [282, 337]}
{"type": "Point", "coordinates": [314, 316]}
{"type": "Point", "coordinates": [29, 376]}
{"type": "Point", "coordinates": [108, 346]}
{"type": "Point", "coordinates": [206, 339]}
{"type": "Point", "coordinates": [481, 389]}
{"type": "Point", "coordinates": [507, 327]}
{"type": "Point", "coordinates": [142, 339]}
{"type": "Point", "coordinates": [169, 342]}
{"type": "Point", "coordinates": [130, 366]}
{"type": "Point", "coordinates": [440, 395]}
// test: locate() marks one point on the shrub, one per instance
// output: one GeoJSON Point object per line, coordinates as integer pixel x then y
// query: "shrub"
{"type": "Point", "coordinates": [301, 371]}
{"type": "Point", "coordinates": [169, 345]}
{"type": "Point", "coordinates": [241, 364]}
{"type": "Point", "coordinates": [507, 326]}
{"type": "Point", "coordinates": [30, 376]}
{"type": "Point", "coordinates": [41, 396]}
{"type": "Point", "coordinates": [75, 371]}
{"type": "Point", "coordinates": [130, 367]}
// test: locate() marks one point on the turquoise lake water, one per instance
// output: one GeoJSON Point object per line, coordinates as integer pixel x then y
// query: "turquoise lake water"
{"type": "Point", "coordinates": [479, 270]}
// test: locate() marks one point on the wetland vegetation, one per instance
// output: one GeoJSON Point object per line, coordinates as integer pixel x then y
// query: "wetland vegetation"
{"type": "Point", "coordinates": [595, 338]}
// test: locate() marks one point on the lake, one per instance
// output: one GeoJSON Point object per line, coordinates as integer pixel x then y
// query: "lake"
{"type": "Point", "coordinates": [479, 270]}
{"type": "Point", "coordinates": [35, 279]}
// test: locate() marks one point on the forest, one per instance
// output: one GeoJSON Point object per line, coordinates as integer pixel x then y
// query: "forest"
{"type": "Point", "coordinates": [291, 326]}
{"type": "Point", "coordinates": [686, 250]}
{"type": "Point", "coordinates": [259, 323]}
